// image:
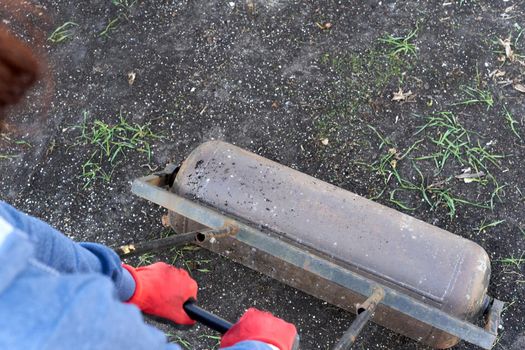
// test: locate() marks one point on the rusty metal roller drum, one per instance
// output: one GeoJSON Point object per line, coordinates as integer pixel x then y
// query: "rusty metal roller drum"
{"type": "Point", "coordinates": [429, 264]}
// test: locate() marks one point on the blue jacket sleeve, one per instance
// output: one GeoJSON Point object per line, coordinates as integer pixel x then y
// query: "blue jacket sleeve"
{"type": "Point", "coordinates": [59, 252]}
{"type": "Point", "coordinates": [42, 309]}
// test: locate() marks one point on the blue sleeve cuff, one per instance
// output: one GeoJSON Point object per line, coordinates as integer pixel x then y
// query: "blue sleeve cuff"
{"type": "Point", "coordinates": [126, 288]}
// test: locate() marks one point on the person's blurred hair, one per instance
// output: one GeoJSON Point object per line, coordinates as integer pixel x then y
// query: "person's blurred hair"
{"type": "Point", "coordinates": [18, 70]}
{"type": "Point", "coordinates": [20, 65]}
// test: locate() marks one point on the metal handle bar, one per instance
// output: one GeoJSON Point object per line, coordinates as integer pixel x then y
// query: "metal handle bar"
{"type": "Point", "coordinates": [206, 318]}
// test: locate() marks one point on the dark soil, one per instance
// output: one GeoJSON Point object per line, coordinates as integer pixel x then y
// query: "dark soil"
{"type": "Point", "coordinates": [264, 75]}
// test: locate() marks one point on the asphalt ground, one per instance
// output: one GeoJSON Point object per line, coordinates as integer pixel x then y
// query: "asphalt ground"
{"type": "Point", "coordinates": [304, 83]}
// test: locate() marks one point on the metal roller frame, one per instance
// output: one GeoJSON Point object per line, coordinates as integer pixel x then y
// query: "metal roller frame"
{"type": "Point", "coordinates": [155, 188]}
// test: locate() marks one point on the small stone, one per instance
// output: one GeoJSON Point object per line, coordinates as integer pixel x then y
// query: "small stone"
{"type": "Point", "coordinates": [131, 78]}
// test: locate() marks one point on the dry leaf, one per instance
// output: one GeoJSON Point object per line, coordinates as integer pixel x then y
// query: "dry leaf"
{"type": "Point", "coordinates": [131, 78]}
{"type": "Point", "coordinates": [402, 96]}
{"type": "Point", "coordinates": [519, 87]}
{"type": "Point", "coordinates": [393, 163]}
{"type": "Point", "coordinates": [324, 26]}
{"type": "Point", "coordinates": [395, 153]}
{"type": "Point", "coordinates": [324, 142]}
{"type": "Point", "coordinates": [505, 82]}
{"type": "Point", "coordinates": [250, 6]}
{"type": "Point", "coordinates": [468, 176]}
{"type": "Point", "coordinates": [508, 49]}
{"type": "Point", "coordinates": [438, 184]}
{"type": "Point", "coordinates": [509, 9]}
{"type": "Point", "coordinates": [497, 73]}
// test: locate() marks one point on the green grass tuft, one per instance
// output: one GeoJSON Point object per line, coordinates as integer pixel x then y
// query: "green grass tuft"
{"type": "Point", "coordinates": [124, 3]}
{"type": "Point", "coordinates": [111, 143]}
{"type": "Point", "coordinates": [453, 141]}
{"type": "Point", "coordinates": [62, 33]}
{"type": "Point", "coordinates": [484, 225]}
{"type": "Point", "coordinates": [145, 259]}
{"type": "Point", "coordinates": [215, 338]}
{"type": "Point", "coordinates": [7, 156]}
{"type": "Point", "coordinates": [401, 45]}
{"type": "Point", "coordinates": [112, 24]}
{"type": "Point", "coordinates": [512, 122]}
{"type": "Point", "coordinates": [474, 95]}
{"type": "Point", "coordinates": [180, 256]}
{"type": "Point", "coordinates": [449, 142]}
{"type": "Point", "coordinates": [513, 261]}
{"type": "Point", "coordinates": [181, 341]}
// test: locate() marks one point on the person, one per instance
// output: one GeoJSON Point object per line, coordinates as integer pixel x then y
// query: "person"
{"type": "Point", "coordinates": [58, 294]}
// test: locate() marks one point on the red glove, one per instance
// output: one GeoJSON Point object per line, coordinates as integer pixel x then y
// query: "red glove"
{"type": "Point", "coordinates": [161, 290]}
{"type": "Point", "coordinates": [261, 326]}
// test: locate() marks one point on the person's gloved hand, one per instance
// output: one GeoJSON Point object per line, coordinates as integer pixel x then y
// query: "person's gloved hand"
{"type": "Point", "coordinates": [161, 290]}
{"type": "Point", "coordinates": [261, 326]}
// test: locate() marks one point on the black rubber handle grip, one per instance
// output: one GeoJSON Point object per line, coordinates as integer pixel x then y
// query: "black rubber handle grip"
{"type": "Point", "coordinates": [206, 318]}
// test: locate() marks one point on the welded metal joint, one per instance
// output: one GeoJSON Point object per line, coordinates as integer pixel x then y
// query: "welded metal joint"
{"type": "Point", "coordinates": [371, 303]}
{"type": "Point", "coordinates": [494, 316]}
{"type": "Point", "coordinates": [176, 240]}
{"type": "Point", "coordinates": [365, 312]}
